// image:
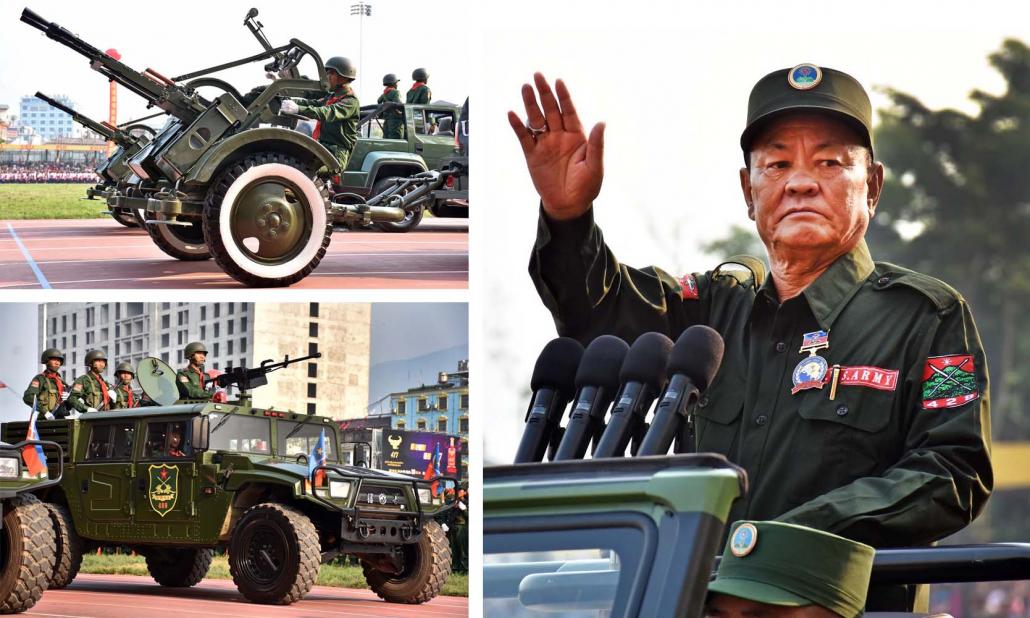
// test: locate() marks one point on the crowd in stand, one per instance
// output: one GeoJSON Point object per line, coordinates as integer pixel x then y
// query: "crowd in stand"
{"type": "Point", "coordinates": [44, 172]}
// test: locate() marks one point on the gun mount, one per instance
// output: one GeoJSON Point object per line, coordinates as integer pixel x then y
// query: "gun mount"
{"type": "Point", "coordinates": [249, 378]}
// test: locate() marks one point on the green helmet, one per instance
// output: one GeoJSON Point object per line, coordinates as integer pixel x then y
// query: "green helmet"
{"type": "Point", "coordinates": [51, 353]}
{"type": "Point", "coordinates": [420, 75]}
{"type": "Point", "coordinates": [390, 79]}
{"type": "Point", "coordinates": [194, 347]}
{"type": "Point", "coordinates": [93, 355]}
{"type": "Point", "coordinates": [127, 367]}
{"type": "Point", "coordinates": [342, 65]}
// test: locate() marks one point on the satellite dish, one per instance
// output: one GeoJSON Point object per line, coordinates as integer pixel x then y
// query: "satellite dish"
{"type": "Point", "coordinates": [157, 380]}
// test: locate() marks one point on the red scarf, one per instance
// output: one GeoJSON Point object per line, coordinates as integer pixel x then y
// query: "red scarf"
{"type": "Point", "coordinates": [103, 389]}
{"type": "Point", "coordinates": [128, 392]}
{"type": "Point", "coordinates": [417, 85]}
{"type": "Point", "coordinates": [388, 89]}
{"type": "Point", "coordinates": [57, 381]}
{"type": "Point", "coordinates": [200, 374]}
{"type": "Point", "coordinates": [318, 130]}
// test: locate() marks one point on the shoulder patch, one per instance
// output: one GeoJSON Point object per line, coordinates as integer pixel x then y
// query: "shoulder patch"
{"type": "Point", "coordinates": [688, 287]}
{"type": "Point", "coordinates": [78, 387]}
{"type": "Point", "coordinates": [942, 295]}
{"type": "Point", "coordinates": [35, 384]}
{"type": "Point", "coordinates": [949, 381]}
{"type": "Point", "coordinates": [183, 379]}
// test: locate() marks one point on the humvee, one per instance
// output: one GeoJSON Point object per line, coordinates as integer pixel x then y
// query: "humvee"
{"type": "Point", "coordinates": [176, 480]}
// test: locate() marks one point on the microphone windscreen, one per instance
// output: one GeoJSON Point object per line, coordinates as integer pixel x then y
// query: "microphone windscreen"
{"type": "Point", "coordinates": [601, 362]}
{"type": "Point", "coordinates": [697, 355]}
{"type": "Point", "coordinates": [556, 366]}
{"type": "Point", "coordinates": [647, 360]}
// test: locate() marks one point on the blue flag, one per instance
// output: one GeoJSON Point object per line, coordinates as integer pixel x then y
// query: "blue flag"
{"type": "Point", "coordinates": [317, 458]}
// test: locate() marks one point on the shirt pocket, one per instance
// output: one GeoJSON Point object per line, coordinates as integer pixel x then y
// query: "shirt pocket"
{"type": "Point", "coordinates": [717, 413]}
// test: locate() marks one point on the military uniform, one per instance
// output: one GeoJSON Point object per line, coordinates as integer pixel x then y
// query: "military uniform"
{"type": "Point", "coordinates": [419, 94]}
{"type": "Point", "coordinates": [393, 120]}
{"type": "Point", "coordinates": [337, 114]}
{"type": "Point", "coordinates": [191, 383]}
{"type": "Point", "coordinates": [49, 388]}
{"type": "Point", "coordinates": [91, 391]}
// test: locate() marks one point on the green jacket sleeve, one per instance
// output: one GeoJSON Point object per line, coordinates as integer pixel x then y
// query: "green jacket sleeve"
{"type": "Point", "coordinates": [189, 388]}
{"type": "Point", "coordinates": [32, 391]}
{"type": "Point", "coordinates": [343, 109]}
{"type": "Point", "coordinates": [944, 477]}
{"type": "Point", "coordinates": [77, 394]}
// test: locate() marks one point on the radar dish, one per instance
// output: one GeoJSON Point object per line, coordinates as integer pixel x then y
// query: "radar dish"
{"type": "Point", "coordinates": [157, 380]}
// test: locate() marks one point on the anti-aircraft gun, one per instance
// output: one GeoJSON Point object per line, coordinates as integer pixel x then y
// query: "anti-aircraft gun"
{"type": "Point", "coordinates": [246, 379]}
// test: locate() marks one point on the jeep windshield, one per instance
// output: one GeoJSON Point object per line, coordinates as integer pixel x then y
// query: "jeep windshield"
{"type": "Point", "coordinates": [298, 437]}
{"type": "Point", "coordinates": [244, 434]}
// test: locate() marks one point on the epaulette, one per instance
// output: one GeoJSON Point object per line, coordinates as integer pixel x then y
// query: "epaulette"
{"type": "Point", "coordinates": [942, 295]}
{"type": "Point", "coordinates": [753, 272]}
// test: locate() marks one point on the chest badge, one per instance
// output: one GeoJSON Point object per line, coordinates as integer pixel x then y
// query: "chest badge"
{"type": "Point", "coordinates": [811, 371]}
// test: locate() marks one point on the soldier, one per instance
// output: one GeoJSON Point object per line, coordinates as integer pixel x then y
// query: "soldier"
{"type": "Point", "coordinates": [393, 119]}
{"type": "Point", "coordinates": [48, 387]}
{"type": "Point", "coordinates": [337, 113]}
{"type": "Point", "coordinates": [420, 94]}
{"type": "Point", "coordinates": [175, 442]}
{"type": "Point", "coordinates": [828, 575]}
{"type": "Point", "coordinates": [124, 397]}
{"type": "Point", "coordinates": [895, 450]}
{"type": "Point", "coordinates": [90, 391]}
{"type": "Point", "coordinates": [191, 378]}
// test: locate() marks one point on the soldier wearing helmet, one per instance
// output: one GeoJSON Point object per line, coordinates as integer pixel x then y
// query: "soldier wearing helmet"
{"type": "Point", "coordinates": [90, 391]}
{"type": "Point", "coordinates": [420, 94]}
{"type": "Point", "coordinates": [393, 119]}
{"type": "Point", "coordinates": [191, 378]}
{"type": "Point", "coordinates": [337, 113]}
{"type": "Point", "coordinates": [48, 388]}
{"type": "Point", "coordinates": [124, 397]}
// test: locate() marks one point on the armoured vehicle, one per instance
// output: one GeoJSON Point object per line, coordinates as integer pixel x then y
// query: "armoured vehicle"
{"type": "Point", "coordinates": [224, 178]}
{"type": "Point", "coordinates": [180, 478]}
{"type": "Point", "coordinates": [27, 540]}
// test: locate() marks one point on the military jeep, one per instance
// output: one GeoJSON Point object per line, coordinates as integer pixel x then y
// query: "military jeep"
{"type": "Point", "coordinates": [176, 480]}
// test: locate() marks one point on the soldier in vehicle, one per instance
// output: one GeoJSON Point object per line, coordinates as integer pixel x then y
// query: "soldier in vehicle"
{"type": "Point", "coordinates": [393, 120]}
{"type": "Point", "coordinates": [48, 387]}
{"type": "Point", "coordinates": [337, 113]}
{"type": "Point", "coordinates": [191, 378]}
{"type": "Point", "coordinates": [91, 392]}
{"type": "Point", "coordinates": [175, 442]}
{"type": "Point", "coordinates": [419, 94]}
{"type": "Point", "coordinates": [124, 397]}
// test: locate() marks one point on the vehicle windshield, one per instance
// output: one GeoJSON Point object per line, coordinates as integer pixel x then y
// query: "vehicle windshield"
{"type": "Point", "coordinates": [244, 434]}
{"type": "Point", "coordinates": [303, 439]}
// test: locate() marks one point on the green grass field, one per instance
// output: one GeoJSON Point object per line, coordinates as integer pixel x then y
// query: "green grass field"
{"type": "Point", "coordinates": [328, 575]}
{"type": "Point", "coordinates": [46, 201]}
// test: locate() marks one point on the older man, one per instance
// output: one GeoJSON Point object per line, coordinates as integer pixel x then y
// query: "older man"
{"type": "Point", "coordinates": [854, 393]}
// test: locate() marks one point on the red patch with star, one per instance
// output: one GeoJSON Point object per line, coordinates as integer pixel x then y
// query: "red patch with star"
{"type": "Point", "coordinates": [688, 287]}
{"type": "Point", "coordinates": [949, 381]}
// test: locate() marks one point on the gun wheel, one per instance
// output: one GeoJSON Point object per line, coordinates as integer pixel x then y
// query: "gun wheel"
{"type": "Point", "coordinates": [274, 554]}
{"type": "Point", "coordinates": [27, 550]}
{"type": "Point", "coordinates": [266, 220]}
{"type": "Point", "coordinates": [68, 548]}
{"type": "Point", "coordinates": [181, 242]}
{"type": "Point", "coordinates": [411, 220]}
{"type": "Point", "coordinates": [178, 568]}
{"type": "Point", "coordinates": [126, 218]}
{"type": "Point", "coordinates": [423, 573]}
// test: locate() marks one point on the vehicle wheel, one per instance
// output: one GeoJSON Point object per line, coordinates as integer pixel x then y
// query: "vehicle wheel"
{"type": "Point", "coordinates": [26, 553]}
{"type": "Point", "coordinates": [68, 553]}
{"type": "Point", "coordinates": [178, 568]}
{"type": "Point", "coordinates": [180, 242]}
{"type": "Point", "coordinates": [410, 221]}
{"type": "Point", "coordinates": [274, 555]}
{"type": "Point", "coordinates": [125, 218]}
{"type": "Point", "coordinates": [266, 221]}
{"type": "Point", "coordinates": [426, 567]}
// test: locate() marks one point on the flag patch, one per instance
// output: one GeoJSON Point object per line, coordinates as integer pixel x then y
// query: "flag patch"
{"type": "Point", "coordinates": [949, 381]}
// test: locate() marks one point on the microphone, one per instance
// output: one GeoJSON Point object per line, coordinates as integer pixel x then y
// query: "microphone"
{"type": "Point", "coordinates": [694, 362]}
{"type": "Point", "coordinates": [642, 376]}
{"type": "Point", "coordinates": [553, 384]}
{"type": "Point", "coordinates": [597, 380]}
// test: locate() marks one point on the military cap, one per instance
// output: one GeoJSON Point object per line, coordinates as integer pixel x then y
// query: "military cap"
{"type": "Point", "coordinates": [343, 66]}
{"type": "Point", "coordinates": [93, 355]}
{"type": "Point", "coordinates": [420, 74]}
{"type": "Point", "coordinates": [126, 367]}
{"type": "Point", "coordinates": [788, 565]}
{"type": "Point", "coordinates": [390, 79]}
{"type": "Point", "coordinates": [808, 87]}
{"type": "Point", "coordinates": [51, 353]}
{"type": "Point", "coordinates": [194, 347]}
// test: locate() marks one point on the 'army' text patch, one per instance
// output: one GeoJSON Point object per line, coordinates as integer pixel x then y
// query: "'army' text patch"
{"type": "Point", "coordinates": [873, 377]}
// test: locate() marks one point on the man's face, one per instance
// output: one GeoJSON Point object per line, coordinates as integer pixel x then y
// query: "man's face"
{"type": "Point", "coordinates": [125, 376]}
{"type": "Point", "coordinates": [334, 79]}
{"type": "Point", "coordinates": [99, 365]}
{"type": "Point", "coordinates": [198, 358]}
{"type": "Point", "coordinates": [811, 185]}
{"type": "Point", "coordinates": [725, 606]}
{"type": "Point", "coordinates": [53, 364]}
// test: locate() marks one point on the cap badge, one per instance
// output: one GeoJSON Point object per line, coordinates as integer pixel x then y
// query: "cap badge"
{"type": "Point", "coordinates": [744, 539]}
{"type": "Point", "coordinates": [804, 77]}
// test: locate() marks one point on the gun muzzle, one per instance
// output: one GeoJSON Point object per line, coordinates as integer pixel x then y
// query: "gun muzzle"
{"type": "Point", "coordinates": [33, 19]}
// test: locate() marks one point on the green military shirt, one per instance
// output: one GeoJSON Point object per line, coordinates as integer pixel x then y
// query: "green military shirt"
{"type": "Point", "coordinates": [899, 457]}
{"type": "Point", "coordinates": [49, 388]}
{"type": "Point", "coordinates": [191, 383]}
{"type": "Point", "coordinates": [393, 120]}
{"type": "Point", "coordinates": [125, 397]}
{"type": "Point", "coordinates": [419, 94]}
{"type": "Point", "coordinates": [91, 391]}
{"type": "Point", "coordinates": [337, 114]}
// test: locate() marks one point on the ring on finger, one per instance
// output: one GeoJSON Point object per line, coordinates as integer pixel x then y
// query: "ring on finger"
{"type": "Point", "coordinates": [536, 132]}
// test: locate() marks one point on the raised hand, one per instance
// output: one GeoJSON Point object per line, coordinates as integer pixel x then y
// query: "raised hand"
{"type": "Point", "coordinates": [566, 166]}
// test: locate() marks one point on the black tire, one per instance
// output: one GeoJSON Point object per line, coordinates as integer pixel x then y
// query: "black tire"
{"type": "Point", "coordinates": [26, 553]}
{"type": "Point", "coordinates": [125, 218]}
{"type": "Point", "coordinates": [267, 243]}
{"type": "Point", "coordinates": [178, 568]}
{"type": "Point", "coordinates": [274, 554]}
{"type": "Point", "coordinates": [409, 223]}
{"type": "Point", "coordinates": [68, 552]}
{"type": "Point", "coordinates": [426, 567]}
{"type": "Point", "coordinates": [182, 243]}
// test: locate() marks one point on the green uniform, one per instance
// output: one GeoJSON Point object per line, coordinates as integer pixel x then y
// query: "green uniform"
{"type": "Point", "coordinates": [393, 120]}
{"type": "Point", "coordinates": [49, 388]}
{"type": "Point", "coordinates": [91, 391]}
{"type": "Point", "coordinates": [337, 114]}
{"type": "Point", "coordinates": [900, 456]}
{"type": "Point", "coordinates": [419, 94]}
{"type": "Point", "coordinates": [191, 383]}
{"type": "Point", "coordinates": [124, 397]}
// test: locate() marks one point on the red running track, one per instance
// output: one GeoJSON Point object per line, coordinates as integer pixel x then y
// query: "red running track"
{"type": "Point", "coordinates": [100, 253]}
{"type": "Point", "coordinates": [127, 596]}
